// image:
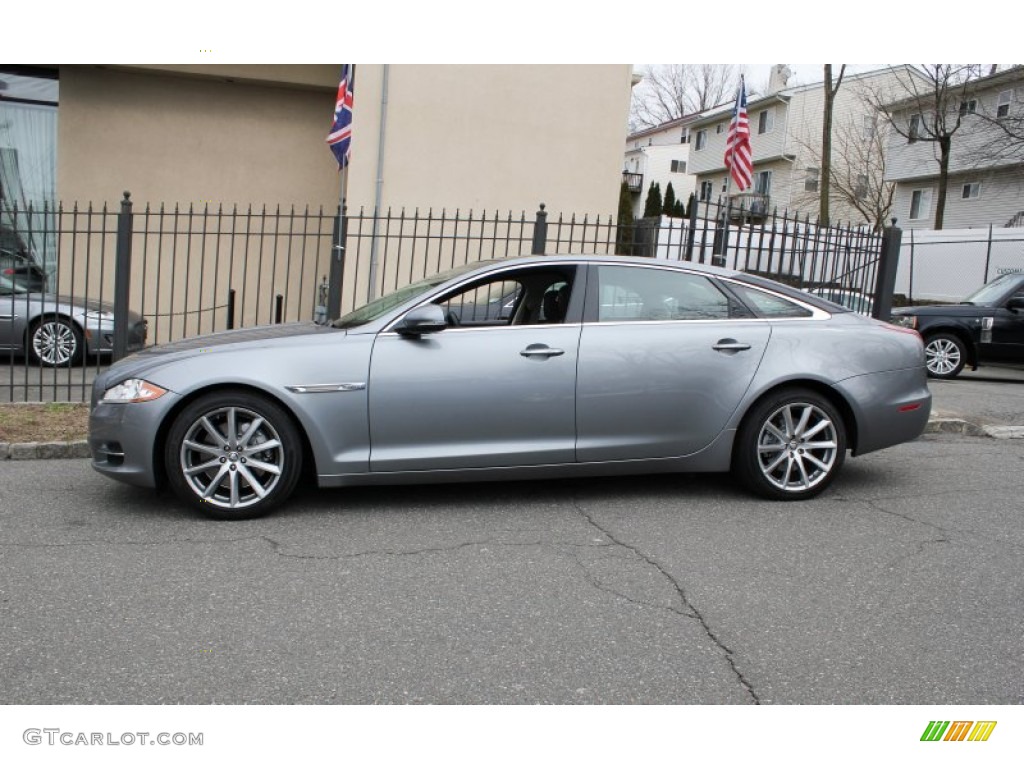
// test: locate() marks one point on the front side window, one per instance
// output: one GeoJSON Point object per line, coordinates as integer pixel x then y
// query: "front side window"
{"type": "Point", "coordinates": [531, 296]}
{"type": "Point", "coordinates": [920, 204]}
{"type": "Point", "coordinates": [639, 294]}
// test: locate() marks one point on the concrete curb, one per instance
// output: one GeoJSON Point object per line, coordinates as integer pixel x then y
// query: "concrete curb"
{"type": "Point", "coordinates": [77, 449]}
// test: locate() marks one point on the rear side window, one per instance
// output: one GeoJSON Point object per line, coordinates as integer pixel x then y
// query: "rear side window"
{"type": "Point", "coordinates": [769, 305]}
{"type": "Point", "coordinates": [637, 294]}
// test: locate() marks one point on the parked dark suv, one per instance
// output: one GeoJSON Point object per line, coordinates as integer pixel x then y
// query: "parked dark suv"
{"type": "Point", "coordinates": [986, 327]}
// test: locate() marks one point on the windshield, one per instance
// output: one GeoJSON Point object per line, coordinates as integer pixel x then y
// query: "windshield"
{"type": "Point", "coordinates": [383, 305]}
{"type": "Point", "coordinates": [991, 292]}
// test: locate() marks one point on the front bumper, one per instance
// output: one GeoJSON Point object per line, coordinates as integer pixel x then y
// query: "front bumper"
{"type": "Point", "coordinates": [99, 335]}
{"type": "Point", "coordinates": [122, 439]}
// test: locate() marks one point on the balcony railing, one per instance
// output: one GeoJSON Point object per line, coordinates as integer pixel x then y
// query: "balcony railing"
{"type": "Point", "coordinates": [635, 181]}
{"type": "Point", "coordinates": [749, 205]}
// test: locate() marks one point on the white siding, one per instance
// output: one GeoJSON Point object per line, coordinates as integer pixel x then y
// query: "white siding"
{"type": "Point", "coordinates": [1001, 198]}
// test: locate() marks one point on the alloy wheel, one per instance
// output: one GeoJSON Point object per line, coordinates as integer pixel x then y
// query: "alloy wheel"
{"type": "Point", "coordinates": [942, 356]}
{"type": "Point", "coordinates": [232, 457]}
{"type": "Point", "coordinates": [797, 447]}
{"type": "Point", "coordinates": [54, 343]}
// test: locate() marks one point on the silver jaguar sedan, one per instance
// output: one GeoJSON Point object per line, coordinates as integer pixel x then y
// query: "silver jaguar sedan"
{"type": "Point", "coordinates": [600, 365]}
{"type": "Point", "coordinates": [57, 331]}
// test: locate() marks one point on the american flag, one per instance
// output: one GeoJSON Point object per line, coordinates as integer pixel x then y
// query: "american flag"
{"type": "Point", "coordinates": [340, 137]}
{"type": "Point", "coordinates": [737, 143]}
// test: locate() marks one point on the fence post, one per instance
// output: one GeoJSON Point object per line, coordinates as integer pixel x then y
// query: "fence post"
{"type": "Point", "coordinates": [231, 309]}
{"type": "Point", "coordinates": [540, 233]}
{"type": "Point", "coordinates": [122, 277]}
{"type": "Point", "coordinates": [988, 254]}
{"type": "Point", "coordinates": [337, 264]}
{"type": "Point", "coordinates": [885, 278]}
{"type": "Point", "coordinates": [720, 247]}
{"type": "Point", "coordinates": [691, 230]}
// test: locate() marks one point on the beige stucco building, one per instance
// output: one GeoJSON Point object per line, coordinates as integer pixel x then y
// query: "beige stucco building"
{"type": "Point", "coordinates": [454, 136]}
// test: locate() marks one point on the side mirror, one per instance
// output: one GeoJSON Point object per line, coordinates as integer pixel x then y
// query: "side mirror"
{"type": "Point", "coordinates": [1015, 304]}
{"type": "Point", "coordinates": [426, 319]}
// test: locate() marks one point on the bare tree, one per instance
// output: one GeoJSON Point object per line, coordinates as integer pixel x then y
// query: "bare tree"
{"type": "Point", "coordinates": [670, 91]}
{"type": "Point", "coordinates": [826, 140]}
{"type": "Point", "coordinates": [856, 176]}
{"type": "Point", "coordinates": [926, 108]}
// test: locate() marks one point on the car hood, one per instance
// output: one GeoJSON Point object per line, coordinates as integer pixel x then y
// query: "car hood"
{"type": "Point", "coordinates": [947, 310]}
{"type": "Point", "coordinates": [159, 355]}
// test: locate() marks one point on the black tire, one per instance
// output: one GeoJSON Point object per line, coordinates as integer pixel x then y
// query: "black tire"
{"type": "Point", "coordinates": [55, 342]}
{"type": "Point", "coordinates": [790, 446]}
{"type": "Point", "coordinates": [944, 355]}
{"type": "Point", "coordinates": [235, 479]}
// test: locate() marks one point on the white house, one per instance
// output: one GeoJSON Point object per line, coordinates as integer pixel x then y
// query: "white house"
{"type": "Point", "coordinates": [986, 165]}
{"type": "Point", "coordinates": [786, 128]}
{"type": "Point", "coordinates": [659, 155]}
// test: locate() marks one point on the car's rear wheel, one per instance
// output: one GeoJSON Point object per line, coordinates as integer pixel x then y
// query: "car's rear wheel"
{"type": "Point", "coordinates": [55, 342]}
{"type": "Point", "coordinates": [233, 455]}
{"type": "Point", "coordinates": [790, 446]}
{"type": "Point", "coordinates": [944, 355]}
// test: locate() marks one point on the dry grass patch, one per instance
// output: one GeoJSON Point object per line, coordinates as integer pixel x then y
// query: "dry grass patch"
{"type": "Point", "coordinates": [43, 422]}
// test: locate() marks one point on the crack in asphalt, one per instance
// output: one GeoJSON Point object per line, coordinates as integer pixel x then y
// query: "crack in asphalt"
{"type": "Point", "coordinates": [730, 657]}
{"type": "Point", "coordinates": [596, 583]}
{"type": "Point", "coordinates": [277, 548]}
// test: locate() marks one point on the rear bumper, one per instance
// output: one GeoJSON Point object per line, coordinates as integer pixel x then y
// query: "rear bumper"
{"type": "Point", "coordinates": [890, 407]}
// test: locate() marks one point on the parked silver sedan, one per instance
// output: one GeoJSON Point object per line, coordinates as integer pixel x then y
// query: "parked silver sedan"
{"type": "Point", "coordinates": [59, 331]}
{"type": "Point", "coordinates": [602, 365]}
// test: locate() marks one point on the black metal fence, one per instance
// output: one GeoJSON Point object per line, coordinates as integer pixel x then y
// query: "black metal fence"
{"type": "Point", "coordinates": [189, 271]}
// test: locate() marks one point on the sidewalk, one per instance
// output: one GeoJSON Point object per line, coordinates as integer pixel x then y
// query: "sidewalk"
{"type": "Point", "coordinates": [987, 402]}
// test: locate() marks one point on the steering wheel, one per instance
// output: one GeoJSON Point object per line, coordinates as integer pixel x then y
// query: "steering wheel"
{"type": "Point", "coordinates": [452, 319]}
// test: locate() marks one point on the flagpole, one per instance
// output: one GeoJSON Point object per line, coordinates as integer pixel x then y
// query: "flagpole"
{"type": "Point", "coordinates": [337, 261]}
{"type": "Point", "coordinates": [721, 242]}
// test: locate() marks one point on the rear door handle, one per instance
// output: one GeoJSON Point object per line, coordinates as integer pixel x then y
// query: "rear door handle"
{"type": "Point", "coordinates": [730, 345]}
{"type": "Point", "coordinates": [541, 350]}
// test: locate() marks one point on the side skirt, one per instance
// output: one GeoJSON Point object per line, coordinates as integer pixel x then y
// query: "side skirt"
{"type": "Point", "coordinates": [716, 457]}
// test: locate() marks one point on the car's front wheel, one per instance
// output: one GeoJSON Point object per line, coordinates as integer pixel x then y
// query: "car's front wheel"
{"type": "Point", "coordinates": [790, 446]}
{"type": "Point", "coordinates": [55, 342]}
{"type": "Point", "coordinates": [233, 455]}
{"type": "Point", "coordinates": [944, 356]}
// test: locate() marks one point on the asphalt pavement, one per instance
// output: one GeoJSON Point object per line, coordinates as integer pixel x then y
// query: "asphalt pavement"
{"type": "Point", "coordinates": [901, 584]}
{"type": "Point", "coordinates": [991, 396]}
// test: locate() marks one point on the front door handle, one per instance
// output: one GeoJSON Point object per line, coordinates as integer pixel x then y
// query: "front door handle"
{"type": "Point", "coordinates": [541, 350]}
{"type": "Point", "coordinates": [730, 345]}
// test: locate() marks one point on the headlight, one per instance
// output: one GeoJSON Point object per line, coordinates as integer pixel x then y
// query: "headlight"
{"type": "Point", "coordinates": [97, 314]}
{"type": "Point", "coordinates": [133, 391]}
{"type": "Point", "coordinates": [905, 321]}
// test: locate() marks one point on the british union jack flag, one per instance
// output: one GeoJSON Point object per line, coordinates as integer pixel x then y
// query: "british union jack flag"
{"type": "Point", "coordinates": [340, 137]}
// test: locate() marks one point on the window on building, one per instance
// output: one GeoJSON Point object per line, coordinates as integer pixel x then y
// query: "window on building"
{"type": "Point", "coordinates": [868, 125]}
{"type": "Point", "coordinates": [720, 128]}
{"type": "Point", "coordinates": [28, 162]}
{"type": "Point", "coordinates": [678, 166]}
{"type": "Point", "coordinates": [968, 107]}
{"type": "Point", "coordinates": [1003, 104]}
{"type": "Point", "coordinates": [920, 204]}
{"type": "Point", "coordinates": [707, 190]}
{"type": "Point", "coordinates": [763, 182]}
{"type": "Point", "coordinates": [971, 191]}
{"type": "Point", "coordinates": [811, 180]}
{"type": "Point", "coordinates": [766, 121]}
{"type": "Point", "coordinates": [725, 183]}
{"type": "Point", "coordinates": [702, 141]}
{"type": "Point", "coordinates": [860, 190]}
{"type": "Point", "coordinates": [914, 130]}
{"type": "Point", "coordinates": [685, 136]}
